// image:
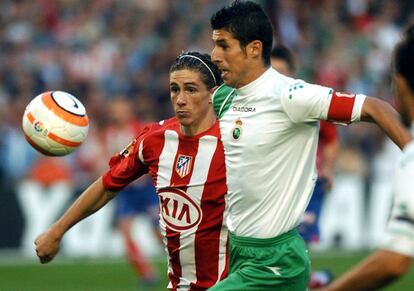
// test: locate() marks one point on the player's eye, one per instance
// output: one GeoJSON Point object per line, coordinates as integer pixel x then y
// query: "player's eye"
{"type": "Point", "coordinates": [174, 89]}
{"type": "Point", "coordinates": [191, 90]}
{"type": "Point", "coordinates": [223, 45]}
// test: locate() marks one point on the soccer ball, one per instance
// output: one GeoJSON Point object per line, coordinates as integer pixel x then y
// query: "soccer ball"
{"type": "Point", "coordinates": [55, 123]}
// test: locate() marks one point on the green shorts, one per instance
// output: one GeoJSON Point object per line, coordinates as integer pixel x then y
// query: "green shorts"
{"type": "Point", "coordinates": [280, 263]}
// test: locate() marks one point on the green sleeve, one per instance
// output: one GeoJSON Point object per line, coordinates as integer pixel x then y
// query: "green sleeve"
{"type": "Point", "coordinates": [222, 98]}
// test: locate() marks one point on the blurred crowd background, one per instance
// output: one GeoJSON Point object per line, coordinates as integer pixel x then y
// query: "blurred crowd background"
{"type": "Point", "coordinates": [115, 55]}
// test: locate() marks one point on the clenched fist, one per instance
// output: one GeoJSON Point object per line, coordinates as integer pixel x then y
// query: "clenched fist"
{"type": "Point", "coordinates": [47, 246]}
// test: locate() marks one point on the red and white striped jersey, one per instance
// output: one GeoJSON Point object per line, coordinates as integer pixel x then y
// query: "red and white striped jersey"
{"type": "Point", "coordinates": [190, 177]}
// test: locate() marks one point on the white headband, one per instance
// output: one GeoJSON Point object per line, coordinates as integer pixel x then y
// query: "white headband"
{"type": "Point", "coordinates": [197, 58]}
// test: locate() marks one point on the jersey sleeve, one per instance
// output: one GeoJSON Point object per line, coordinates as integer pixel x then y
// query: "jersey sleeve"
{"type": "Point", "coordinates": [400, 227]}
{"type": "Point", "coordinates": [399, 236]}
{"type": "Point", "coordinates": [304, 102]}
{"type": "Point", "coordinates": [222, 98]}
{"type": "Point", "coordinates": [126, 166]}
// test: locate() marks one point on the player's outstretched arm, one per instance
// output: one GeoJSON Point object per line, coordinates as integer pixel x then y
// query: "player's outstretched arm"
{"type": "Point", "coordinates": [90, 201]}
{"type": "Point", "coordinates": [382, 113]}
{"type": "Point", "coordinates": [376, 271]}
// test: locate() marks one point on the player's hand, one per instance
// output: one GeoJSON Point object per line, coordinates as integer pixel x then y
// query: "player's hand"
{"type": "Point", "coordinates": [320, 280]}
{"type": "Point", "coordinates": [47, 246]}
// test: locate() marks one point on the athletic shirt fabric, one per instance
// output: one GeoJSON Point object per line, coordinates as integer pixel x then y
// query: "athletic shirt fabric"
{"type": "Point", "coordinates": [400, 227]}
{"type": "Point", "coordinates": [190, 178]}
{"type": "Point", "coordinates": [269, 130]}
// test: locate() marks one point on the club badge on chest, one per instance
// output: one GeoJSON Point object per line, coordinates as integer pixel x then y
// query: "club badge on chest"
{"type": "Point", "coordinates": [237, 129]}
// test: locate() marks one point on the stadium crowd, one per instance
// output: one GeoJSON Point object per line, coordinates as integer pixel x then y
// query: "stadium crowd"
{"type": "Point", "coordinates": [100, 50]}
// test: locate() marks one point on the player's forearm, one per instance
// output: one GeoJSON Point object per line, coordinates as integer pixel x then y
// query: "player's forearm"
{"type": "Point", "coordinates": [382, 113]}
{"type": "Point", "coordinates": [90, 201]}
{"type": "Point", "coordinates": [374, 272]}
{"type": "Point", "coordinates": [360, 278]}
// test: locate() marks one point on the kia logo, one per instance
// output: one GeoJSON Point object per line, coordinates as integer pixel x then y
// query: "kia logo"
{"type": "Point", "coordinates": [178, 210]}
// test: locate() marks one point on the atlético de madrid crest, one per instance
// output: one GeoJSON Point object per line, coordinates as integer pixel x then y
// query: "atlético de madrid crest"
{"type": "Point", "coordinates": [183, 166]}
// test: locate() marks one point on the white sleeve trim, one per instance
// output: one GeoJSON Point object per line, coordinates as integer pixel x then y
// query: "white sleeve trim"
{"type": "Point", "coordinates": [356, 111]}
{"type": "Point", "coordinates": [140, 155]}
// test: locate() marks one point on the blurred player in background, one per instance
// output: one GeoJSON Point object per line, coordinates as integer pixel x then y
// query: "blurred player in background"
{"type": "Point", "coordinates": [185, 158]}
{"type": "Point", "coordinates": [394, 259]}
{"type": "Point", "coordinates": [139, 198]}
{"type": "Point", "coordinates": [269, 125]}
{"type": "Point", "coordinates": [283, 61]}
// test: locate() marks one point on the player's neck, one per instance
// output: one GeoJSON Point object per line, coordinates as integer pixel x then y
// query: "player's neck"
{"type": "Point", "coordinates": [199, 127]}
{"type": "Point", "coordinates": [410, 107]}
{"type": "Point", "coordinates": [252, 75]}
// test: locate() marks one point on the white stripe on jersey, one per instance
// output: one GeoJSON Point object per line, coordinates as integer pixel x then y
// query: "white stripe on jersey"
{"type": "Point", "coordinates": [166, 163]}
{"type": "Point", "coordinates": [140, 155]}
{"type": "Point", "coordinates": [223, 244]}
{"type": "Point", "coordinates": [202, 161]}
{"type": "Point", "coordinates": [167, 157]}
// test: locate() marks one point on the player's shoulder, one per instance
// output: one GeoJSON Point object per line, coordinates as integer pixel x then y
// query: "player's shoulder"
{"type": "Point", "coordinates": [155, 129]}
{"type": "Point", "coordinates": [170, 123]}
{"type": "Point", "coordinates": [294, 89]}
{"type": "Point", "coordinates": [222, 98]}
{"type": "Point", "coordinates": [222, 91]}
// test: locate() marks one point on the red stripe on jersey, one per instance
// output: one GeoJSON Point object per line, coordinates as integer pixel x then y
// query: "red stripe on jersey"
{"type": "Point", "coordinates": [155, 145]}
{"type": "Point", "coordinates": [173, 237]}
{"type": "Point", "coordinates": [207, 240]}
{"type": "Point", "coordinates": [173, 248]}
{"type": "Point", "coordinates": [341, 107]}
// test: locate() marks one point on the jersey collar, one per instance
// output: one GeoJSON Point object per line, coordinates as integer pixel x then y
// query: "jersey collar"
{"type": "Point", "coordinates": [254, 86]}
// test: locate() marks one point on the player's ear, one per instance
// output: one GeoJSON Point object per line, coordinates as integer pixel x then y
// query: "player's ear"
{"type": "Point", "coordinates": [212, 90]}
{"type": "Point", "coordinates": [254, 49]}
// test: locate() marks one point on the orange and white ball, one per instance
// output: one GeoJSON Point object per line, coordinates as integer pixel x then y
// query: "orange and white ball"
{"type": "Point", "coordinates": [55, 123]}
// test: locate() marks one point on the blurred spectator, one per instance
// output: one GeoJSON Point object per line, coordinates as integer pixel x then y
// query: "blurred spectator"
{"type": "Point", "coordinates": [139, 198]}
{"type": "Point", "coordinates": [42, 195]}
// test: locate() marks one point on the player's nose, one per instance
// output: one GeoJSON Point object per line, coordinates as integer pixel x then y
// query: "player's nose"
{"type": "Point", "coordinates": [181, 99]}
{"type": "Point", "coordinates": [215, 57]}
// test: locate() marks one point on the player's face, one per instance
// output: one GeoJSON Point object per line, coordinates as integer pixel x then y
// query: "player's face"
{"type": "Point", "coordinates": [231, 58]}
{"type": "Point", "coordinates": [191, 100]}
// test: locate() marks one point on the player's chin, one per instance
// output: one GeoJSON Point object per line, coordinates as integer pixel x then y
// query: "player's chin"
{"type": "Point", "coordinates": [228, 81]}
{"type": "Point", "coordinates": [184, 120]}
